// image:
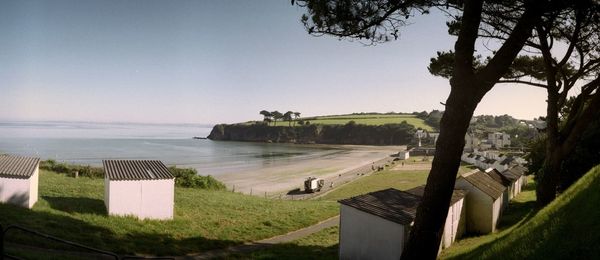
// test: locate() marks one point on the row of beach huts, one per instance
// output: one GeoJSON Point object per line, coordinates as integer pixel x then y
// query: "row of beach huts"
{"type": "Point", "coordinates": [140, 188]}
{"type": "Point", "coordinates": [376, 225]}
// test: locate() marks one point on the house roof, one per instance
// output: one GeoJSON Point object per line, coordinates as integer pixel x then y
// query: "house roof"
{"type": "Point", "coordinates": [122, 170]}
{"type": "Point", "coordinates": [484, 183]}
{"type": "Point", "coordinates": [391, 204]}
{"type": "Point", "coordinates": [456, 194]}
{"type": "Point", "coordinates": [498, 177]}
{"type": "Point", "coordinates": [18, 166]}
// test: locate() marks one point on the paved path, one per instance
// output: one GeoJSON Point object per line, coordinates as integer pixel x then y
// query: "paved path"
{"type": "Point", "coordinates": [256, 245]}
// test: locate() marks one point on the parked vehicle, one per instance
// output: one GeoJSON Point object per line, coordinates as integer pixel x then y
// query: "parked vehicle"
{"type": "Point", "coordinates": [312, 184]}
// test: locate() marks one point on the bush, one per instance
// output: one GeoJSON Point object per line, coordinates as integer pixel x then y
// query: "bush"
{"type": "Point", "coordinates": [189, 178]}
{"type": "Point", "coordinates": [70, 169]}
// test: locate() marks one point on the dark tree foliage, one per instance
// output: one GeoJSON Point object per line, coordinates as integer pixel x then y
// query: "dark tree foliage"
{"type": "Point", "coordinates": [509, 25]}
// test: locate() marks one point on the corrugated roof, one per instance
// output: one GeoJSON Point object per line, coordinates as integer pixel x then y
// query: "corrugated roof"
{"type": "Point", "coordinates": [518, 170]}
{"type": "Point", "coordinates": [485, 183]}
{"type": "Point", "coordinates": [498, 177]}
{"type": "Point", "coordinates": [121, 170]}
{"type": "Point", "coordinates": [391, 204]}
{"type": "Point", "coordinates": [509, 175]}
{"type": "Point", "coordinates": [18, 166]}
{"type": "Point", "coordinates": [456, 194]}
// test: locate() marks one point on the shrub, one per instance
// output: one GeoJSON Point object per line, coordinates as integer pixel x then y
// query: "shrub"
{"type": "Point", "coordinates": [70, 169]}
{"type": "Point", "coordinates": [189, 178]}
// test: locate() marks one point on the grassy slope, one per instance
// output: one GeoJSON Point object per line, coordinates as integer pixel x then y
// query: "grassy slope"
{"type": "Point", "coordinates": [366, 120]}
{"type": "Point", "coordinates": [399, 179]}
{"type": "Point", "coordinates": [565, 229]}
{"type": "Point", "coordinates": [74, 209]}
{"type": "Point", "coordinates": [320, 245]}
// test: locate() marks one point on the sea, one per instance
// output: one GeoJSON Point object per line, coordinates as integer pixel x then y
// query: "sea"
{"type": "Point", "coordinates": [88, 143]}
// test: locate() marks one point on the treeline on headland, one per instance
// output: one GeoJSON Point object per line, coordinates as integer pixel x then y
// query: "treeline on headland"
{"type": "Point", "coordinates": [350, 133]}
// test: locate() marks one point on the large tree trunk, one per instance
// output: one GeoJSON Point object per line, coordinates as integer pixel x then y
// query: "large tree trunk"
{"type": "Point", "coordinates": [548, 176]}
{"type": "Point", "coordinates": [431, 216]}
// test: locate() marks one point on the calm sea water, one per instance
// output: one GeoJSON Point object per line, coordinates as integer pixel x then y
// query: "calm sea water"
{"type": "Point", "coordinates": [90, 143]}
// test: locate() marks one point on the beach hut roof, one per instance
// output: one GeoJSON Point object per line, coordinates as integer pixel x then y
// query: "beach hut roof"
{"type": "Point", "coordinates": [498, 177]}
{"type": "Point", "coordinates": [484, 183]}
{"type": "Point", "coordinates": [391, 204]}
{"type": "Point", "coordinates": [518, 170]}
{"type": "Point", "coordinates": [456, 194]}
{"type": "Point", "coordinates": [121, 170]}
{"type": "Point", "coordinates": [18, 166]}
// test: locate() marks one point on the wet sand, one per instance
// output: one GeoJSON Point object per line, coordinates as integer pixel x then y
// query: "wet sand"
{"type": "Point", "coordinates": [285, 176]}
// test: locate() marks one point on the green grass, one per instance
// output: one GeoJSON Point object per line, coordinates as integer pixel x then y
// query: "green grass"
{"type": "Point", "coordinates": [401, 180]}
{"type": "Point", "coordinates": [565, 229]}
{"type": "Point", "coordinates": [398, 179]}
{"type": "Point", "coordinates": [320, 245]}
{"type": "Point", "coordinates": [365, 120]}
{"type": "Point", "coordinates": [73, 209]}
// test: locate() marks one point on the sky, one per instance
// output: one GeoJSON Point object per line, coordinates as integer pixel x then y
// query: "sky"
{"type": "Point", "coordinates": [214, 62]}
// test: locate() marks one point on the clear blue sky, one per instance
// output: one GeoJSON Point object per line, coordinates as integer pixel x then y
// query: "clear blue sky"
{"type": "Point", "coordinates": [211, 62]}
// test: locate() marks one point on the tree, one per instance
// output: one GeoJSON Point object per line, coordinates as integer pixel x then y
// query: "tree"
{"type": "Point", "coordinates": [288, 116]}
{"type": "Point", "coordinates": [276, 115]}
{"type": "Point", "coordinates": [267, 116]}
{"type": "Point", "coordinates": [296, 116]}
{"type": "Point", "coordinates": [379, 21]}
{"type": "Point", "coordinates": [576, 27]}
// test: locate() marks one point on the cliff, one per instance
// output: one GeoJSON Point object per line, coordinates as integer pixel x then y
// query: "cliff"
{"type": "Point", "coordinates": [388, 134]}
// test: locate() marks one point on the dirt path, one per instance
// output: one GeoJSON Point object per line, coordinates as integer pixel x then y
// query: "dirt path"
{"type": "Point", "coordinates": [265, 243]}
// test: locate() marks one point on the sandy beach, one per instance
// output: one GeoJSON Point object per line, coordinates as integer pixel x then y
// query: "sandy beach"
{"type": "Point", "coordinates": [286, 176]}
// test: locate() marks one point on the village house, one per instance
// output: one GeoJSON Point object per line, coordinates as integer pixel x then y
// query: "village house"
{"type": "Point", "coordinates": [141, 188]}
{"type": "Point", "coordinates": [376, 225]}
{"type": "Point", "coordinates": [19, 180]}
{"type": "Point", "coordinates": [499, 140]}
{"type": "Point", "coordinates": [484, 201]}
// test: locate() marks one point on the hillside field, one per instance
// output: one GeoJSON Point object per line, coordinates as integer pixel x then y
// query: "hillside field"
{"type": "Point", "coordinates": [367, 119]}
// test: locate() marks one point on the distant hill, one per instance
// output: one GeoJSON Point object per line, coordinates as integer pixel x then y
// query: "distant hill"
{"type": "Point", "coordinates": [361, 119]}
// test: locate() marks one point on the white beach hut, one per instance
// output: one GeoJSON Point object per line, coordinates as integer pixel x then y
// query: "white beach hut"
{"type": "Point", "coordinates": [376, 225]}
{"type": "Point", "coordinates": [484, 201]}
{"type": "Point", "coordinates": [456, 220]}
{"type": "Point", "coordinates": [19, 180]}
{"type": "Point", "coordinates": [142, 188]}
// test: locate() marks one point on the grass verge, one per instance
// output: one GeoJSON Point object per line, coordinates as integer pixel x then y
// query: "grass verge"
{"type": "Point", "coordinates": [73, 209]}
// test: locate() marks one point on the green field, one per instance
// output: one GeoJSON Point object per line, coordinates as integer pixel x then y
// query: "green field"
{"type": "Point", "coordinates": [378, 119]}
{"type": "Point", "coordinates": [389, 178]}
{"type": "Point", "coordinates": [73, 209]}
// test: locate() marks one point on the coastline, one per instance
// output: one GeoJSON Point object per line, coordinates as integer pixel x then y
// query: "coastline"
{"type": "Point", "coordinates": [280, 178]}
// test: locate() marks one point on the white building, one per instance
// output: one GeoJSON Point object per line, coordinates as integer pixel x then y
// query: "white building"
{"type": "Point", "coordinates": [501, 179]}
{"type": "Point", "coordinates": [499, 140]}
{"type": "Point", "coordinates": [19, 180]}
{"type": "Point", "coordinates": [141, 188]}
{"type": "Point", "coordinates": [519, 171]}
{"type": "Point", "coordinates": [404, 155]}
{"type": "Point", "coordinates": [484, 201]}
{"type": "Point", "coordinates": [456, 220]}
{"type": "Point", "coordinates": [376, 225]}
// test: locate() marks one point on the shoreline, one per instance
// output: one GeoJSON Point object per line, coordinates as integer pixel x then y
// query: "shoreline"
{"type": "Point", "coordinates": [279, 179]}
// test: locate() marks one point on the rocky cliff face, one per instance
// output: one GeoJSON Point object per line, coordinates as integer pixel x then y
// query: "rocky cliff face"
{"type": "Point", "coordinates": [389, 134]}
